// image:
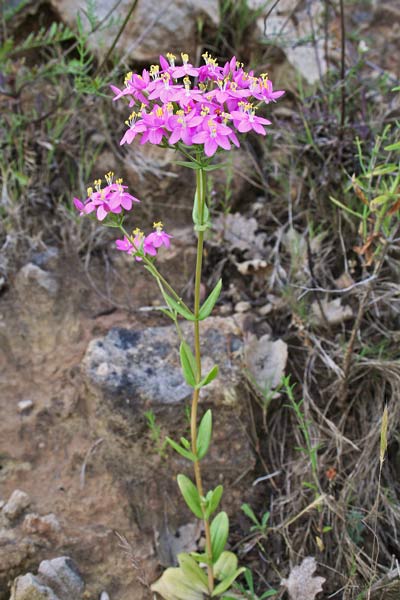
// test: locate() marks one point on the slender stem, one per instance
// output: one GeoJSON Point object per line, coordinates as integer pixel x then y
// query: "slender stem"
{"type": "Point", "coordinates": [201, 189]}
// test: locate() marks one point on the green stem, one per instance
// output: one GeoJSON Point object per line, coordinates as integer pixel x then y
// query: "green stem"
{"type": "Point", "coordinates": [201, 192]}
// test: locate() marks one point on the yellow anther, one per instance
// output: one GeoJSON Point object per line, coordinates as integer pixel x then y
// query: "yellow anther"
{"type": "Point", "coordinates": [159, 112]}
{"type": "Point", "coordinates": [154, 70]}
{"type": "Point", "coordinates": [180, 112]}
{"type": "Point", "coordinates": [186, 81]}
{"type": "Point", "coordinates": [158, 225]}
{"type": "Point", "coordinates": [128, 77]}
{"type": "Point", "coordinates": [109, 177]}
{"type": "Point", "coordinates": [89, 191]}
{"type": "Point", "coordinates": [205, 110]}
{"type": "Point", "coordinates": [171, 57]}
{"type": "Point", "coordinates": [185, 57]}
{"type": "Point", "coordinates": [170, 107]}
{"type": "Point", "coordinates": [138, 233]}
{"type": "Point", "coordinates": [119, 181]}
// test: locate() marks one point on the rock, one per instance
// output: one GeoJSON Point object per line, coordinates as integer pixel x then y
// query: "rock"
{"type": "Point", "coordinates": [104, 596]}
{"type": "Point", "coordinates": [333, 311]}
{"type": "Point", "coordinates": [47, 259]}
{"type": "Point", "coordinates": [24, 406]}
{"type": "Point", "coordinates": [152, 29]}
{"type": "Point", "coordinates": [47, 526]}
{"type": "Point", "coordinates": [28, 587]}
{"type": "Point", "coordinates": [33, 276]}
{"type": "Point", "coordinates": [242, 306]}
{"type": "Point", "coordinates": [62, 575]}
{"type": "Point", "coordinates": [290, 23]}
{"type": "Point", "coordinates": [16, 504]}
{"type": "Point", "coordinates": [143, 366]}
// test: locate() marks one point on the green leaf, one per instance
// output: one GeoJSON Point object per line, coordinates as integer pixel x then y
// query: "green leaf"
{"type": "Point", "coordinates": [188, 164]}
{"type": "Point", "coordinates": [219, 535]}
{"type": "Point", "coordinates": [215, 167]}
{"type": "Point", "coordinates": [174, 305]}
{"type": "Point", "coordinates": [226, 583]}
{"type": "Point", "coordinates": [201, 558]}
{"type": "Point", "coordinates": [174, 585]}
{"type": "Point", "coordinates": [226, 565]}
{"type": "Point", "coordinates": [395, 146]}
{"type": "Point", "coordinates": [185, 453]}
{"type": "Point", "coordinates": [383, 170]}
{"type": "Point", "coordinates": [248, 511]}
{"type": "Point", "coordinates": [190, 494]}
{"type": "Point", "coordinates": [209, 377]}
{"type": "Point", "coordinates": [188, 363]}
{"type": "Point", "coordinates": [213, 500]}
{"type": "Point", "coordinates": [268, 594]}
{"type": "Point", "coordinates": [193, 572]}
{"type": "Point", "coordinates": [209, 304]}
{"type": "Point", "coordinates": [204, 434]}
{"type": "Point", "coordinates": [265, 518]}
{"type": "Point", "coordinates": [346, 208]}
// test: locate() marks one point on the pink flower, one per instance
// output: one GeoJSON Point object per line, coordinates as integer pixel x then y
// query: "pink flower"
{"type": "Point", "coordinates": [158, 238]}
{"type": "Point", "coordinates": [213, 135]}
{"type": "Point", "coordinates": [245, 120]}
{"type": "Point", "coordinates": [112, 198]}
{"type": "Point", "coordinates": [183, 127]}
{"type": "Point", "coordinates": [186, 69]}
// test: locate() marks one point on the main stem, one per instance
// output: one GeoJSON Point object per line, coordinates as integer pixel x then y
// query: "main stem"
{"type": "Point", "coordinates": [201, 193]}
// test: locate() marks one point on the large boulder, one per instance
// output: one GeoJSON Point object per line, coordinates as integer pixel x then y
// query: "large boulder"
{"type": "Point", "coordinates": [153, 29]}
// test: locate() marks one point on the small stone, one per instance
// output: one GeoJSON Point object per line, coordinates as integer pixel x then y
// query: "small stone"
{"type": "Point", "coordinates": [16, 504]}
{"type": "Point", "coordinates": [28, 587]}
{"type": "Point", "coordinates": [263, 311]}
{"type": "Point", "coordinates": [47, 526]}
{"type": "Point", "coordinates": [63, 576]}
{"type": "Point", "coordinates": [242, 307]}
{"type": "Point", "coordinates": [104, 596]}
{"type": "Point", "coordinates": [24, 406]}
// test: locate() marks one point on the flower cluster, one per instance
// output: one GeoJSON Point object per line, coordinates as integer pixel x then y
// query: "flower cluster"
{"type": "Point", "coordinates": [110, 199]}
{"type": "Point", "coordinates": [149, 244]}
{"type": "Point", "coordinates": [202, 106]}
{"type": "Point", "coordinates": [114, 199]}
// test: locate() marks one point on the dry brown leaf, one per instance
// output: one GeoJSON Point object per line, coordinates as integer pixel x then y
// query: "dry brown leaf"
{"type": "Point", "coordinates": [301, 584]}
{"type": "Point", "coordinates": [266, 360]}
{"type": "Point", "coordinates": [333, 310]}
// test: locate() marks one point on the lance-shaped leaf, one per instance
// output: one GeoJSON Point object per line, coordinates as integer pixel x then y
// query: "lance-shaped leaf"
{"type": "Point", "coordinates": [209, 304]}
{"type": "Point", "coordinates": [204, 434]}
{"type": "Point", "coordinates": [219, 535]}
{"type": "Point", "coordinates": [211, 375]}
{"type": "Point", "coordinates": [193, 572]}
{"type": "Point", "coordinates": [185, 452]}
{"type": "Point", "coordinates": [226, 565]}
{"type": "Point", "coordinates": [226, 583]}
{"type": "Point", "coordinates": [213, 499]}
{"type": "Point", "coordinates": [188, 363]}
{"type": "Point", "coordinates": [177, 306]}
{"type": "Point", "coordinates": [190, 494]}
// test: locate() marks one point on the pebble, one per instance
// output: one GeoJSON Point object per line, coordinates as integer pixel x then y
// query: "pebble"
{"type": "Point", "coordinates": [24, 406]}
{"type": "Point", "coordinates": [16, 504]}
{"type": "Point", "coordinates": [104, 596]}
{"type": "Point", "coordinates": [242, 306]}
{"type": "Point", "coordinates": [47, 526]}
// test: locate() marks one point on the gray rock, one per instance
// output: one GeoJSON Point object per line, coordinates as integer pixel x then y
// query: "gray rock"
{"type": "Point", "coordinates": [153, 28]}
{"type": "Point", "coordinates": [32, 275]}
{"type": "Point", "coordinates": [16, 504]}
{"type": "Point", "coordinates": [28, 587]}
{"type": "Point", "coordinates": [62, 575]}
{"type": "Point", "coordinates": [143, 366]}
{"type": "Point", "coordinates": [24, 406]}
{"type": "Point", "coordinates": [104, 596]}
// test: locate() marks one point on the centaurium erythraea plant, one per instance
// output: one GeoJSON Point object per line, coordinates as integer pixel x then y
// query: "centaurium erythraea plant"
{"type": "Point", "coordinates": [199, 111]}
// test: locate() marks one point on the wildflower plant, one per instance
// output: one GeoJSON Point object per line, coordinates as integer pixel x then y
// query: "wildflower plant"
{"type": "Point", "coordinates": [199, 111]}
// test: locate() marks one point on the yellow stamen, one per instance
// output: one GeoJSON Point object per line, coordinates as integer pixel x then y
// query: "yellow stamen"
{"type": "Point", "coordinates": [185, 57]}
{"type": "Point", "coordinates": [89, 192]}
{"type": "Point", "coordinates": [128, 77]}
{"type": "Point", "coordinates": [158, 225]}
